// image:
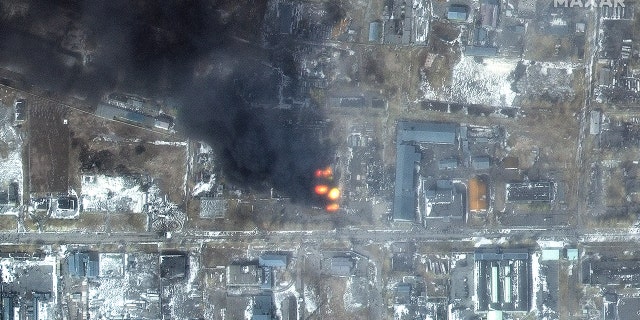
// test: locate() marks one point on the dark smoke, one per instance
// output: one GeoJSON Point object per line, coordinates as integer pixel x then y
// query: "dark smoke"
{"type": "Point", "coordinates": [188, 51]}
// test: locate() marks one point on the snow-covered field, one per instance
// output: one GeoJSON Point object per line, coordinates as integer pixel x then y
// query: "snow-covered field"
{"type": "Point", "coordinates": [101, 193]}
{"type": "Point", "coordinates": [487, 83]}
{"type": "Point", "coordinates": [11, 165]}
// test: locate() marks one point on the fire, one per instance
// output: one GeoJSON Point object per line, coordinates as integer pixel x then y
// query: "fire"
{"type": "Point", "coordinates": [321, 189]}
{"type": "Point", "coordinates": [326, 173]}
{"type": "Point", "coordinates": [333, 194]}
{"type": "Point", "coordinates": [326, 188]}
{"type": "Point", "coordinates": [332, 207]}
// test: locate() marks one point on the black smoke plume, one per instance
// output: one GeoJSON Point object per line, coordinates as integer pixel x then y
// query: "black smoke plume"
{"type": "Point", "coordinates": [206, 54]}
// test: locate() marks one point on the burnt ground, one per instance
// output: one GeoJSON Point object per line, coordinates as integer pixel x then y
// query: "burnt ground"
{"type": "Point", "coordinates": [48, 146]}
{"type": "Point", "coordinates": [114, 148]}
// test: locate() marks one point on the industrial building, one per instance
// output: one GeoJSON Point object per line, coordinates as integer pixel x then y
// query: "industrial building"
{"type": "Point", "coordinates": [133, 117]}
{"type": "Point", "coordinates": [273, 260]}
{"type": "Point", "coordinates": [244, 275]}
{"type": "Point", "coordinates": [612, 273]}
{"type": "Point", "coordinates": [444, 201]}
{"type": "Point", "coordinates": [404, 205]}
{"type": "Point", "coordinates": [409, 134]}
{"type": "Point", "coordinates": [502, 280]}
{"type": "Point", "coordinates": [476, 51]}
{"type": "Point", "coordinates": [489, 13]}
{"type": "Point", "coordinates": [213, 208]}
{"type": "Point", "coordinates": [29, 287]}
{"type": "Point", "coordinates": [457, 12]}
{"type": "Point", "coordinates": [20, 113]}
{"type": "Point", "coordinates": [174, 265]}
{"type": "Point", "coordinates": [83, 264]}
{"type": "Point", "coordinates": [375, 31]}
{"type": "Point", "coordinates": [481, 162]}
{"type": "Point", "coordinates": [427, 132]}
{"type": "Point", "coordinates": [478, 195]}
{"type": "Point", "coordinates": [448, 164]}
{"type": "Point", "coordinates": [530, 192]}
{"type": "Point", "coordinates": [342, 266]}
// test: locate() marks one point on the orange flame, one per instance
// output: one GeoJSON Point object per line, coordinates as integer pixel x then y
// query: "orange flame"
{"type": "Point", "coordinates": [333, 194]}
{"type": "Point", "coordinates": [321, 189]}
{"type": "Point", "coordinates": [332, 207]}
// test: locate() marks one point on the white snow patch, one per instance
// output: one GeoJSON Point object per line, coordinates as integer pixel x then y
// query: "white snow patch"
{"type": "Point", "coordinates": [482, 241]}
{"type": "Point", "coordinates": [537, 280]}
{"type": "Point", "coordinates": [486, 83]}
{"type": "Point", "coordinates": [310, 303]}
{"type": "Point", "coordinates": [399, 311]}
{"type": "Point", "coordinates": [350, 304]}
{"type": "Point", "coordinates": [550, 244]}
{"type": "Point", "coordinates": [170, 143]}
{"type": "Point", "coordinates": [103, 193]}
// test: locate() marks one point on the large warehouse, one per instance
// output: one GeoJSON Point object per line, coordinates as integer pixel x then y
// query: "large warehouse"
{"type": "Point", "coordinates": [407, 159]}
{"type": "Point", "coordinates": [502, 279]}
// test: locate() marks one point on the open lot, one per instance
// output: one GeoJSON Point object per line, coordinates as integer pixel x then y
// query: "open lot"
{"type": "Point", "coordinates": [48, 146]}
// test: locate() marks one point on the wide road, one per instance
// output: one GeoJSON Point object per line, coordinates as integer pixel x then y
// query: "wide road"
{"type": "Point", "coordinates": [318, 236]}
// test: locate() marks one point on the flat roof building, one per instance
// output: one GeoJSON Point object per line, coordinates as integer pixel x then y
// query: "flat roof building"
{"type": "Point", "coordinates": [594, 124]}
{"type": "Point", "coordinates": [476, 51]}
{"type": "Point", "coordinates": [174, 265]}
{"type": "Point", "coordinates": [244, 275]}
{"type": "Point", "coordinates": [443, 202]}
{"type": "Point", "coordinates": [572, 254]}
{"type": "Point", "coordinates": [404, 205]}
{"type": "Point", "coordinates": [273, 260]}
{"type": "Point", "coordinates": [478, 195]}
{"type": "Point", "coordinates": [448, 164]}
{"type": "Point", "coordinates": [375, 31]}
{"type": "Point", "coordinates": [458, 12]}
{"type": "Point", "coordinates": [83, 264]}
{"type": "Point", "coordinates": [410, 133]}
{"type": "Point", "coordinates": [489, 13]}
{"type": "Point", "coordinates": [427, 132]}
{"type": "Point", "coordinates": [110, 112]}
{"type": "Point", "coordinates": [502, 280]}
{"type": "Point", "coordinates": [341, 266]}
{"type": "Point", "coordinates": [481, 162]}
{"type": "Point", "coordinates": [20, 113]}
{"type": "Point", "coordinates": [612, 272]}
{"type": "Point", "coordinates": [213, 208]}
{"type": "Point", "coordinates": [530, 192]}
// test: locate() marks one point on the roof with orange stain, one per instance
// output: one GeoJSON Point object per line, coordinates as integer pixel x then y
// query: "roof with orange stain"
{"type": "Point", "coordinates": [478, 195]}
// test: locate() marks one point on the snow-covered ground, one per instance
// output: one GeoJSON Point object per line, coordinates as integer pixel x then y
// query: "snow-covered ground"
{"type": "Point", "coordinates": [537, 279]}
{"type": "Point", "coordinates": [135, 293]}
{"type": "Point", "coordinates": [399, 311]}
{"type": "Point", "coordinates": [23, 273]}
{"type": "Point", "coordinates": [487, 83]}
{"type": "Point", "coordinates": [310, 299]}
{"type": "Point", "coordinates": [101, 193]}
{"type": "Point", "coordinates": [11, 162]}
{"type": "Point", "coordinates": [111, 265]}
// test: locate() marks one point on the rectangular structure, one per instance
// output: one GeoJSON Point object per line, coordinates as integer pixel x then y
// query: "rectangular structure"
{"type": "Point", "coordinates": [457, 12]}
{"type": "Point", "coordinates": [427, 132]}
{"type": "Point", "coordinates": [404, 206]}
{"type": "Point", "coordinates": [530, 192]}
{"type": "Point", "coordinates": [594, 124]}
{"type": "Point", "coordinates": [502, 280]}
{"type": "Point", "coordinates": [478, 195]}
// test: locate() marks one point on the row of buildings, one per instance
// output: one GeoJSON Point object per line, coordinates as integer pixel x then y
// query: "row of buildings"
{"type": "Point", "coordinates": [459, 181]}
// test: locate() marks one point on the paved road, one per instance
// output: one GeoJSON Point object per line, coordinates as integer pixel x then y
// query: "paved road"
{"type": "Point", "coordinates": [318, 236]}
